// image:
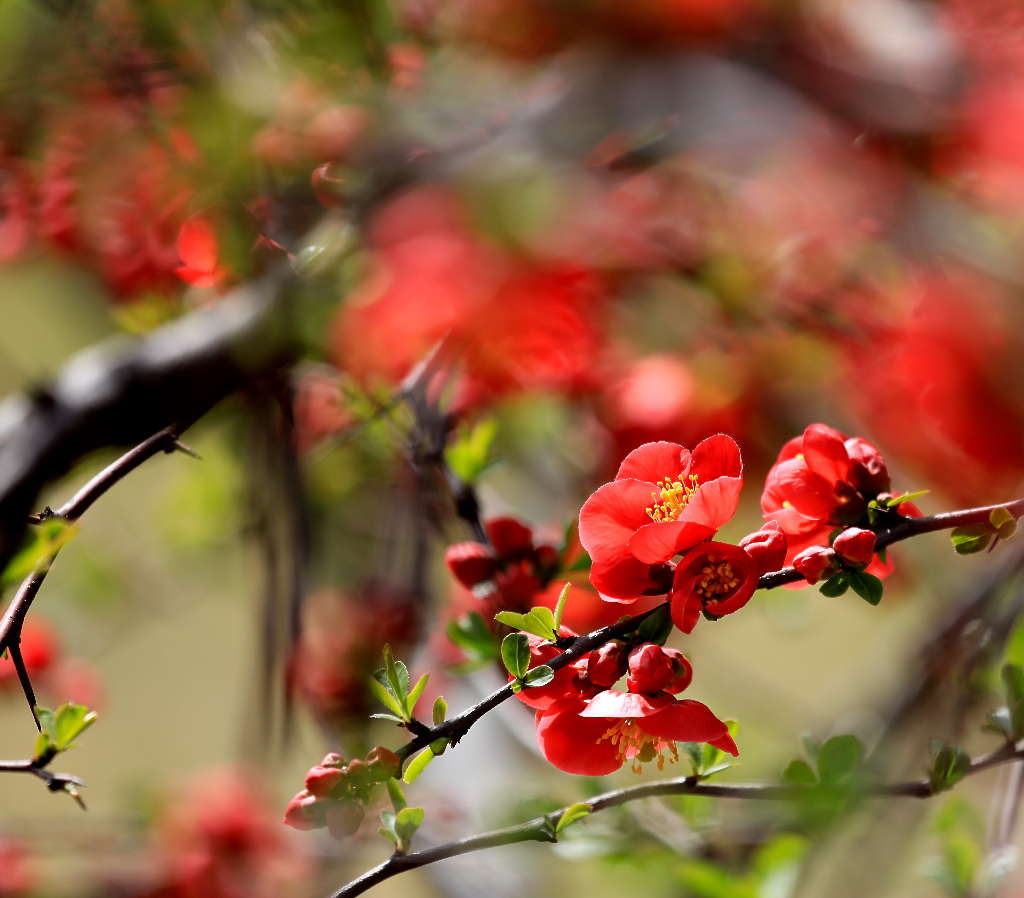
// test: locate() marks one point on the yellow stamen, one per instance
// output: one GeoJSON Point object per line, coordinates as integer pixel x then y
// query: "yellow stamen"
{"type": "Point", "coordinates": [717, 580]}
{"type": "Point", "coordinates": [632, 744]}
{"type": "Point", "coordinates": [672, 497]}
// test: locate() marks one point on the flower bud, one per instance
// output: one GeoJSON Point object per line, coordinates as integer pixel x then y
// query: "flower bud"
{"type": "Point", "coordinates": [813, 562]}
{"type": "Point", "coordinates": [606, 664]}
{"type": "Point", "coordinates": [682, 671]}
{"type": "Point", "coordinates": [358, 776]}
{"type": "Point", "coordinates": [766, 547]}
{"type": "Point", "coordinates": [547, 559]}
{"type": "Point", "coordinates": [321, 781]}
{"type": "Point", "coordinates": [650, 669]}
{"type": "Point", "coordinates": [855, 545]}
{"type": "Point", "coordinates": [305, 812]}
{"type": "Point", "coordinates": [383, 763]}
{"type": "Point", "coordinates": [332, 759]}
{"type": "Point", "coordinates": [509, 538]}
{"type": "Point", "coordinates": [470, 563]}
{"type": "Point", "coordinates": [343, 818]}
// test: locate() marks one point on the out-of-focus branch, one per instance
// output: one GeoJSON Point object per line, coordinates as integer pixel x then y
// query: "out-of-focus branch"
{"type": "Point", "coordinates": [456, 727]}
{"type": "Point", "coordinates": [117, 394]}
{"type": "Point", "coordinates": [55, 782]}
{"type": "Point", "coordinates": [543, 829]}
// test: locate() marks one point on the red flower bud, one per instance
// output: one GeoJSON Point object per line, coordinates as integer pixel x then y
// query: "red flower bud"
{"type": "Point", "coordinates": [470, 563]}
{"type": "Point", "coordinates": [650, 669]}
{"type": "Point", "coordinates": [321, 781]}
{"type": "Point", "coordinates": [383, 763]}
{"type": "Point", "coordinates": [855, 545]}
{"type": "Point", "coordinates": [509, 538]}
{"type": "Point", "coordinates": [682, 671]}
{"type": "Point", "coordinates": [813, 562]}
{"type": "Point", "coordinates": [343, 818]}
{"type": "Point", "coordinates": [767, 547]}
{"type": "Point", "coordinates": [606, 664]}
{"type": "Point", "coordinates": [304, 812]}
{"type": "Point", "coordinates": [332, 759]}
{"type": "Point", "coordinates": [547, 558]}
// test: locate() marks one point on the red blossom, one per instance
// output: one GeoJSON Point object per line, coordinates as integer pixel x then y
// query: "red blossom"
{"type": "Point", "coordinates": [663, 501]}
{"type": "Point", "coordinates": [713, 578]}
{"type": "Point", "coordinates": [197, 247]}
{"type": "Point", "coordinates": [855, 545]}
{"type": "Point", "coordinates": [654, 669]}
{"type": "Point", "coordinates": [812, 562]}
{"type": "Point", "coordinates": [766, 547]}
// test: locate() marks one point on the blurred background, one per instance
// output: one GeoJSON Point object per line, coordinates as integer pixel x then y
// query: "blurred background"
{"type": "Point", "coordinates": [596, 224]}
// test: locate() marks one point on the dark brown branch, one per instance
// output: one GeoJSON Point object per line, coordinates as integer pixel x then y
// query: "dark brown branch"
{"type": "Point", "coordinates": [455, 728]}
{"type": "Point", "coordinates": [542, 829]}
{"type": "Point", "coordinates": [55, 782]}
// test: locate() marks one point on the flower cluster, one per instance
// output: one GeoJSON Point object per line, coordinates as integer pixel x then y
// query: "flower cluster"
{"type": "Point", "coordinates": [336, 792]}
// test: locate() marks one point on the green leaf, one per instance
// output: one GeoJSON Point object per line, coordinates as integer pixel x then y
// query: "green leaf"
{"type": "Point", "coordinates": [407, 821]}
{"type": "Point", "coordinates": [414, 695]}
{"type": "Point", "coordinates": [906, 497]}
{"type": "Point", "coordinates": [971, 538]}
{"type": "Point", "coordinates": [471, 633]}
{"type": "Point", "coordinates": [656, 627]}
{"type": "Point", "coordinates": [839, 759]}
{"type": "Point", "coordinates": [438, 746]}
{"type": "Point", "coordinates": [866, 585]}
{"type": "Point", "coordinates": [835, 585]}
{"type": "Point", "coordinates": [70, 722]}
{"type": "Point", "coordinates": [1004, 523]}
{"type": "Point", "coordinates": [440, 710]}
{"type": "Point", "coordinates": [571, 814]}
{"type": "Point", "coordinates": [397, 675]}
{"type": "Point", "coordinates": [45, 541]}
{"type": "Point", "coordinates": [538, 621]}
{"type": "Point", "coordinates": [396, 794]}
{"type": "Point", "coordinates": [799, 773]}
{"type": "Point", "coordinates": [581, 565]}
{"type": "Point", "coordinates": [47, 722]}
{"type": "Point", "coordinates": [471, 452]}
{"type": "Point", "coordinates": [417, 765]}
{"type": "Point", "coordinates": [386, 698]}
{"type": "Point", "coordinates": [563, 598]}
{"type": "Point", "coordinates": [43, 744]}
{"type": "Point", "coordinates": [949, 765]}
{"type": "Point", "coordinates": [540, 675]}
{"type": "Point", "coordinates": [394, 718]}
{"type": "Point", "coordinates": [515, 654]}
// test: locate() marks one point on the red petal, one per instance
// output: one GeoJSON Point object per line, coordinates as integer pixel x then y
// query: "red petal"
{"type": "Point", "coordinates": [685, 609]}
{"type": "Point", "coordinates": [199, 278]}
{"type": "Point", "coordinates": [622, 580]}
{"type": "Point", "coordinates": [614, 704]}
{"type": "Point", "coordinates": [654, 461]}
{"type": "Point", "coordinates": [655, 543]}
{"type": "Point", "coordinates": [611, 515]}
{"type": "Point", "coordinates": [717, 456]}
{"type": "Point", "coordinates": [509, 537]}
{"type": "Point", "coordinates": [825, 452]}
{"type": "Point", "coordinates": [197, 244]}
{"type": "Point", "coordinates": [685, 721]}
{"type": "Point", "coordinates": [714, 503]}
{"type": "Point", "coordinates": [570, 742]}
{"type": "Point", "coordinates": [804, 490]}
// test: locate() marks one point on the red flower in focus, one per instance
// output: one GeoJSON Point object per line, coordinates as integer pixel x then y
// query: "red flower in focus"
{"type": "Point", "coordinates": [713, 578]}
{"type": "Point", "coordinates": [820, 481]}
{"type": "Point", "coordinates": [197, 248]}
{"type": "Point", "coordinates": [597, 737]}
{"type": "Point", "coordinates": [663, 501]}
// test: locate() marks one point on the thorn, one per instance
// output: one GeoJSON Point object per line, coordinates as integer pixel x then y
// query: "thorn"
{"type": "Point", "coordinates": [14, 649]}
{"type": "Point", "coordinates": [188, 450]}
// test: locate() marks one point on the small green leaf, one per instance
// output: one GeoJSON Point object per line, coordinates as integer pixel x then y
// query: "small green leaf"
{"type": "Point", "coordinates": [415, 693]}
{"type": "Point", "coordinates": [835, 585]}
{"type": "Point", "coordinates": [440, 710]}
{"type": "Point", "coordinates": [396, 794]}
{"type": "Point", "coordinates": [386, 698]}
{"type": "Point", "coordinates": [563, 598]}
{"type": "Point", "coordinates": [515, 654]}
{"type": "Point", "coordinates": [417, 765]}
{"type": "Point", "coordinates": [656, 627]}
{"type": "Point", "coordinates": [394, 718]}
{"type": "Point", "coordinates": [471, 633]}
{"type": "Point", "coordinates": [538, 676]}
{"type": "Point", "coordinates": [571, 814]}
{"type": "Point", "coordinates": [999, 721]}
{"type": "Point", "coordinates": [438, 746]}
{"type": "Point", "coordinates": [949, 765]}
{"type": "Point", "coordinates": [971, 538]}
{"type": "Point", "coordinates": [471, 452]}
{"type": "Point", "coordinates": [839, 758]}
{"type": "Point", "coordinates": [537, 621]}
{"type": "Point", "coordinates": [799, 773]}
{"type": "Point", "coordinates": [70, 722]}
{"type": "Point", "coordinates": [45, 541]}
{"type": "Point", "coordinates": [407, 821]}
{"type": "Point", "coordinates": [47, 722]}
{"type": "Point", "coordinates": [906, 497]}
{"type": "Point", "coordinates": [1004, 523]}
{"type": "Point", "coordinates": [866, 585]}
{"type": "Point", "coordinates": [397, 675]}
{"type": "Point", "coordinates": [43, 744]}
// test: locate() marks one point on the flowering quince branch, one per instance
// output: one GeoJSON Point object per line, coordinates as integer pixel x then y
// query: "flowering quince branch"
{"type": "Point", "coordinates": [14, 615]}
{"type": "Point", "coordinates": [546, 828]}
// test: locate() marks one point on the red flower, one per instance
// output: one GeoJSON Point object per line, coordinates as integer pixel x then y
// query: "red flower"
{"type": "Point", "coordinates": [714, 578]}
{"type": "Point", "coordinates": [197, 248]}
{"type": "Point", "coordinates": [855, 545]}
{"type": "Point", "coordinates": [813, 562]}
{"type": "Point", "coordinates": [663, 501]}
{"type": "Point", "coordinates": [654, 669]}
{"type": "Point", "coordinates": [766, 547]}
{"type": "Point", "coordinates": [598, 737]}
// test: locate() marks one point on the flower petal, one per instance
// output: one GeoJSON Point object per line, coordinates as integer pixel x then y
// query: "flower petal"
{"type": "Point", "coordinates": [614, 704]}
{"type": "Point", "coordinates": [824, 450]}
{"type": "Point", "coordinates": [687, 721]}
{"type": "Point", "coordinates": [717, 456]}
{"type": "Point", "coordinates": [714, 503]}
{"type": "Point", "coordinates": [197, 244]}
{"type": "Point", "coordinates": [655, 543]}
{"type": "Point", "coordinates": [654, 461]}
{"type": "Point", "coordinates": [570, 742]}
{"type": "Point", "coordinates": [625, 579]}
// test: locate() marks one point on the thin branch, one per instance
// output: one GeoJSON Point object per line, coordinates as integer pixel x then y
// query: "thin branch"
{"type": "Point", "coordinates": [55, 782]}
{"type": "Point", "coordinates": [456, 727]}
{"type": "Point", "coordinates": [542, 829]}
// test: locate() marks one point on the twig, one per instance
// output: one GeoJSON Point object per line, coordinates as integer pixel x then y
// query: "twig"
{"type": "Point", "coordinates": [55, 782]}
{"type": "Point", "coordinates": [14, 615]}
{"type": "Point", "coordinates": [542, 829]}
{"type": "Point", "coordinates": [456, 727]}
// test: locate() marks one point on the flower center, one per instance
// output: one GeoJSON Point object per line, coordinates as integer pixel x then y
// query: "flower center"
{"type": "Point", "coordinates": [672, 497]}
{"type": "Point", "coordinates": [632, 744]}
{"type": "Point", "coordinates": [716, 581]}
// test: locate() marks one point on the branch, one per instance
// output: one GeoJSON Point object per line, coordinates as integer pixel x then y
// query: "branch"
{"type": "Point", "coordinates": [542, 829]}
{"type": "Point", "coordinates": [456, 727]}
{"type": "Point", "coordinates": [14, 615]}
{"type": "Point", "coordinates": [55, 782]}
